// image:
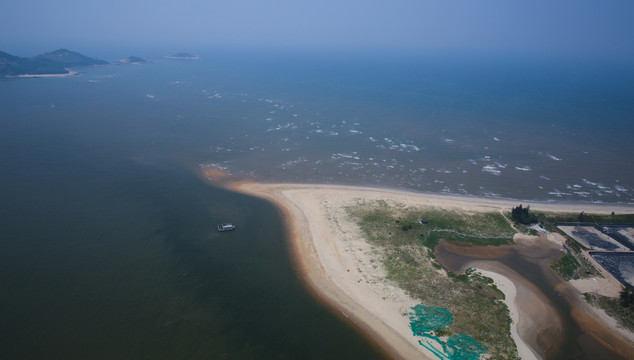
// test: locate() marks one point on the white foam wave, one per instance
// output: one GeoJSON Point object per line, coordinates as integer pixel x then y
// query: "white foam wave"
{"type": "Point", "coordinates": [292, 163]}
{"type": "Point", "coordinates": [491, 194]}
{"type": "Point", "coordinates": [558, 193]}
{"type": "Point", "coordinates": [283, 127]}
{"type": "Point", "coordinates": [345, 156]}
{"type": "Point", "coordinates": [589, 182]}
{"type": "Point", "coordinates": [409, 147]}
{"type": "Point", "coordinates": [491, 169]}
{"type": "Point", "coordinates": [553, 157]}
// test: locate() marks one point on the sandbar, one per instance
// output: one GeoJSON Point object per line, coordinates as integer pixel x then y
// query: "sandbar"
{"type": "Point", "coordinates": [338, 265]}
{"type": "Point", "coordinates": [69, 73]}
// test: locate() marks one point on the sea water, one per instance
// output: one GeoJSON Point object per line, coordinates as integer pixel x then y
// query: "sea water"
{"type": "Point", "coordinates": [109, 247]}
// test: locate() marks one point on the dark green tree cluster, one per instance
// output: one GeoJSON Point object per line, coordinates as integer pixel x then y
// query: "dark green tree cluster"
{"type": "Point", "coordinates": [627, 298]}
{"type": "Point", "coordinates": [523, 215]}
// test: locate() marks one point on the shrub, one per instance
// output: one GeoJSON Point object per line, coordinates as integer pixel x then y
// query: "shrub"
{"type": "Point", "coordinates": [523, 215]}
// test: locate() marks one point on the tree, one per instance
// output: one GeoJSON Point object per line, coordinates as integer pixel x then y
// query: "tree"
{"type": "Point", "coordinates": [523, 215]}
{"type": "Point", "coordinates": [626, 298]}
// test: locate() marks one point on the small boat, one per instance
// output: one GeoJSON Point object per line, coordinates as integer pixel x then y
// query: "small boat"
{"type": "Point", "coordinates": [226, 227]}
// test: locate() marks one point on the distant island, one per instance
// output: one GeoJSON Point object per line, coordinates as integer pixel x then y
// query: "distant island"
{"type": "Point", "coordinates": [182, 56]}
{"type": "Point", "coordinates": [55, 63]}
{"type": "Point", "coordinates": [133, 60]}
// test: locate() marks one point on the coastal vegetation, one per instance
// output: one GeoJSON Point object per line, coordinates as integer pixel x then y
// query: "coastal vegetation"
{"type": "Point", "coordinates": [626, 298]}
{"type": "Point", "coordinates": [573, 265]}
{"type": "Point", "coordinates": [405, 239]}
{"type": "Point", "coordinates": [548, 220]}
{"type": "Point", "coordinates": [568, 267]}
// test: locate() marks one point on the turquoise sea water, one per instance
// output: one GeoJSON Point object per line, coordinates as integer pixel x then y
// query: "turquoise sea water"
{"type": "Point", "coordinates": [109, 248]}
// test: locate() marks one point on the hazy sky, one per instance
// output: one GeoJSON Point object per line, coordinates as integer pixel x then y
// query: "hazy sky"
{"type": "Point", "coordinates": [559, 27]}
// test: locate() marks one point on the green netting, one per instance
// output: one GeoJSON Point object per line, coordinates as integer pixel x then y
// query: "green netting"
{"type": "Point", "coordinates": [464, 347]}
{"type": "Point", "coordinates": [426, 319]}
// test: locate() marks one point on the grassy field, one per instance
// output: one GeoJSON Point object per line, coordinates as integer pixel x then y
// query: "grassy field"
{"type": "Point", "coordinates": [406, 247]}
{"type": "Point", "coordinates": [573, 265]}
{"type": "Point", "coordinates": [548, 220]}
{"type": "Point", "coordinates": [624, 315]}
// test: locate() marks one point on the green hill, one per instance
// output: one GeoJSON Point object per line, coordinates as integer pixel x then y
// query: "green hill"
{"type": "Point", "coordinates": [54, 62]}
{"type": "Point", "coordinates": [70, 58]}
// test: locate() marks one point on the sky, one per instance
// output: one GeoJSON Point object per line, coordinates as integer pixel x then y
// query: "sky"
{"type": "Point", "coordinates": [564, 28]}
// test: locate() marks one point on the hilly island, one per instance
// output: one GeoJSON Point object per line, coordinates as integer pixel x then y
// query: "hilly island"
{"type": "Point", "coordinates": [53, 63]}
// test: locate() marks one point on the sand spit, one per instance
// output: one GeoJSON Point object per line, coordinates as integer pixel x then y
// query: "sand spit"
{"type": "Point", "coordinates": [69, 73]}
{"type": "Point", "coordinates": [509, 289]}
{"type": "Point", "coordinates": [337, 263]}
{"type": "Point", "coordinates": [214, 172]}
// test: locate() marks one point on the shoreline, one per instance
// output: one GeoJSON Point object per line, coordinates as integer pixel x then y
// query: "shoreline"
{"type": "Point", "coordinates": [328, 285]}
{"type": "Point", "coordinates": [451, 200]}
{"type": "Point", "coordinates": [337, 273]}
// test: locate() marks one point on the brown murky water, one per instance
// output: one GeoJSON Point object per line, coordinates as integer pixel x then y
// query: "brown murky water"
{"type": "Point", "coordinates": [566, 329]}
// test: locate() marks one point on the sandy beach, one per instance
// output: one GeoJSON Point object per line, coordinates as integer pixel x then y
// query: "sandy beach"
{"type": "Point", "coordinates": [337, 263]}
{"type": "Point", "coordinates": [69, 73]}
